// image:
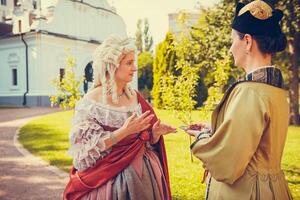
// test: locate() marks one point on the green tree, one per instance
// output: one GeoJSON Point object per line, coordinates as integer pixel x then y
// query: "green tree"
{"type": "Point", "coordinates": [68, 87]}
{"type": "Point", "coordinates": [148, 39]}
{"type": "Point", "coordinates": [145, 74]}
{"type": "Point", "coordinates": [144, 42]}
{"type": "Point", "coordinates": [211, 42]}
{"type": "Point", "coordinates": [164, 61]}
{"type": "Point", "coordinates": [139, 37]}
{"type": "Point", "coordinates": [179, 84]}
{"type": "Point", "coordinates": [143, 38]}
{"type": "Point", "coordinates": [291, 60]}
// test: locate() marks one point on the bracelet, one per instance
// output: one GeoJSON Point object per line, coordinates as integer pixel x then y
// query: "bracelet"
{"type": "Point", "coordinates": [204, 134]}
{"type": "Point", "coordinates": [113, 138]}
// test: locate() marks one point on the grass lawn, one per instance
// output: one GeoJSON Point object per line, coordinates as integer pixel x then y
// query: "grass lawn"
{"type": "Point", "coordinates": [47, 137]}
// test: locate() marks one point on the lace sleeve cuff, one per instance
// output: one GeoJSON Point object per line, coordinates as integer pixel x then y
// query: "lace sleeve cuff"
{"type": "Point", "coordinates": [87, 141]}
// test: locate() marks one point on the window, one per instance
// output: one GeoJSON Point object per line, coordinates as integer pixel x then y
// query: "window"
{"type": "Point", "coordinates": [14, 77]}
{"type": "Point", "coordinates": [20, 26]}
{"type": "Point", "coordinates": [34, 3]}
{"type": "Point", "coordinates": [16, 3]}
{"type": "Point", "coordinates": [3, 16]}
{"type": "Point", "coordinates": [3, 2]}
{"type": "Point", "coordinates": [61, 74]}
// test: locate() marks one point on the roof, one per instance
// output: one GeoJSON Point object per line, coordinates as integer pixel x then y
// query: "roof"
{"type": "Point", "coordinates": [98, 4]}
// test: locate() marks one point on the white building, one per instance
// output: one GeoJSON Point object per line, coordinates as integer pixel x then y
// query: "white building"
{"type": "Point", "coordinates": [34, 37]}
{"type": "Point", "coordinates": [6, 10]}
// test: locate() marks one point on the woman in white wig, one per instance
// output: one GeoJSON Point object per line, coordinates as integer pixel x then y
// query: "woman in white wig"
{"type": "Point", "coordinates": [116, 139]}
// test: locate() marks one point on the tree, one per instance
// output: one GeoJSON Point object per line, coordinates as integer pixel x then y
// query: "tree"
{"type": "Point", "coordinates": [164, 61]}
{"type": "Point", "coordinates": [204, 50]}
{"type": "Point", "coordinates": [148, 39]}
{"type": "Point", "coordinates": [67, 87]}
{"type": "Point", "coordinates": [143, 39]}
{"type": "Point", "coordinates": [291, 26]}
{"type": "Point", "coordinates": [139, 37]}
{"type": "Point", "coordinates": [145, 74]}
{"type": "Point", "coordinates": [211, 42]}
{"type": "Point", "coordinates": [144, 42]}
{"type": "Point", "coordinates": [179, 84]}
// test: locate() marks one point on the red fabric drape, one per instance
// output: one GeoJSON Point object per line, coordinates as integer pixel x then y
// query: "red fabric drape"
{"type": "Point", "coordinates": [121, 156]}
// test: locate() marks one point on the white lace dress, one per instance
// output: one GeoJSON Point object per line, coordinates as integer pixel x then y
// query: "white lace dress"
{"type": "Point", "coordinates": [142, 179]}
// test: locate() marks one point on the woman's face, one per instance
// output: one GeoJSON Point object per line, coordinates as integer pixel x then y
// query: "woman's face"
{"type": "Point", "coordinates": [127, 68]}
{"type": "Point", "coordinates": [238, 49]}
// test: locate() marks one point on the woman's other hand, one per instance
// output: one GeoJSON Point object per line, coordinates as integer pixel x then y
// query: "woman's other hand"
{"type": "Point", "coordinates": [136, 124]}
{"type": "Point", "coordinates": [195, 129]}
{"type": "Point", "coordinates": [162, 129]}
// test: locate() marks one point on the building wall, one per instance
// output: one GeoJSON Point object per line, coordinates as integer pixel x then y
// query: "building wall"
{"type": "Point", "coordinates": [12, 54]}
{"type": "Point", "coordinates": [6, 10]}
{"type": "Point", "coordinates": [64, 24]}
{"type": "Point", "coordinates": [51, 57]}
{"type": "Point", "coordinates": [81, 21]}
{"type": "Point", "coordinates": [46, 55]}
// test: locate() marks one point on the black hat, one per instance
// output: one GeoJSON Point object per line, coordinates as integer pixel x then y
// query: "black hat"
{"type": "Point", "coordinates": [257, 18]}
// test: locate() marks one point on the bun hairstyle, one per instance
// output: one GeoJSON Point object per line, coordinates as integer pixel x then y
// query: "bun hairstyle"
{"type": "Point", "coordinates": [263, 23]}
{"type": "Point", "coordinates": [106, 60]}
{"type": "Point", "coordinates": [269, 44]}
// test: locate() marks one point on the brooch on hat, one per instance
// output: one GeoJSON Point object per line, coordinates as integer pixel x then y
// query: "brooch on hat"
{"type": "Point", "coordinates": [257, 18]}
{"type": "Point", "coordinates": [258, 9]}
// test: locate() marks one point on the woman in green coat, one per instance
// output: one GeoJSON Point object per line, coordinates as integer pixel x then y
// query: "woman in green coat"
{"type": "Point", "coordinates": [243, 150]}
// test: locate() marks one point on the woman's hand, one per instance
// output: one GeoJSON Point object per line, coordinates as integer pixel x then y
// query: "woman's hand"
{"type": "Point", "coordinates": [193, 133]}
{"type": "Point", "coordinates": [199, 126]}
{"type": "Point", "coordinates": [136, 124]}
{"type": "Point", "coordinates": [131, 126]}
{"type": "Point", "coordinates": [159, 129]}
{"type": "Point", "coordinates": [195, 129]}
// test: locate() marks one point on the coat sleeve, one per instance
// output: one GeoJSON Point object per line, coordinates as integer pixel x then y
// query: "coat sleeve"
{"type": "Point", "coordinates": [227, 153]}
{"type": "Point", "coordinates": [86, 138]}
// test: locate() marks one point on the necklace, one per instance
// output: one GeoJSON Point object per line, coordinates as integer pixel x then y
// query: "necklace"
{"type": "Point", "coordinates": [118, 95]}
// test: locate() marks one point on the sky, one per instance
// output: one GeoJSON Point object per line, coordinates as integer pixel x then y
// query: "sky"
{"type": "Point", "coordinates": [155, 10]}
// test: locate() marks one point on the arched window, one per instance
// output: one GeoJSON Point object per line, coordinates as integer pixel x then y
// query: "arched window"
{"type": "Point", "coordinates": [88, 76]}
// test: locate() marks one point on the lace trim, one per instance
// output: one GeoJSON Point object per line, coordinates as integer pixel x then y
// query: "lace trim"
{"type": "Point", "coordinates": [105, 115]}
{"type": "Point", "coordinates": [87, 136]}
{"type": "Point", "coordinates": [131, 107]}
{"type": "Point", "coordinates": [87, 144]}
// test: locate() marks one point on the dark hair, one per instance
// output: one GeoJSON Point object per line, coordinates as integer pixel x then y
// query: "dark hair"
{"type": "Point", "coordinates": [269, 44]}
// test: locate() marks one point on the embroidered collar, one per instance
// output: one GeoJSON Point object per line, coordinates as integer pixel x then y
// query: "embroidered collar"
{"type": "Point", "coordinates": [268, 75]}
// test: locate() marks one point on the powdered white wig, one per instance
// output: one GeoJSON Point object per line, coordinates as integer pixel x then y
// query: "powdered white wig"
{"type": "Point", "coordinates": [106, 60]}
